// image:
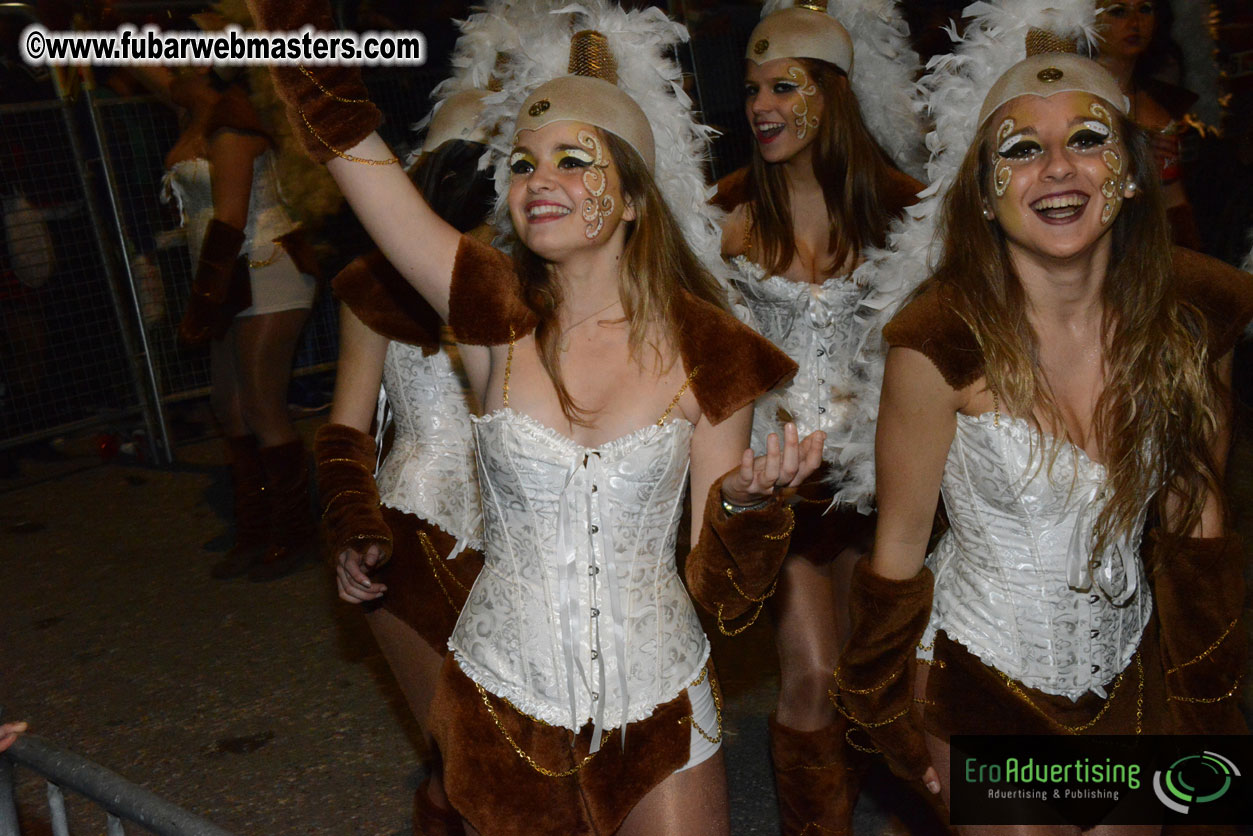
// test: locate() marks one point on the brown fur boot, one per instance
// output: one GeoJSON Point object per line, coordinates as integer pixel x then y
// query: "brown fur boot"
{"type": "Point", "coordinates": [816, 778]}
{"type": "Point", "coordinates": [252, 508]}
{"type": "Point", "coordinates": [293, 535]}
{"type": "Point", "coordinates": [429, 819]}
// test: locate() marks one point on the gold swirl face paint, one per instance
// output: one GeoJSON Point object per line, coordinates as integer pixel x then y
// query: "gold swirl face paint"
{"type": "Point", "coordinates": [804, 121]}
{"type": "Point", "coordinates": [597, 206]}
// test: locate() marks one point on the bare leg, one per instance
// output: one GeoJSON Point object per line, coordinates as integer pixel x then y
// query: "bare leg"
{"type": "Point", "coordinates": [688, 803]}
{"type": "Point", "coordinates": [805, 635]}
{"type": "Point", "coordinates": [265, 346]}
{"type": "Point", "coordinates": [415, 664]}
{"type": "Point", "coordinates": [224, 393]}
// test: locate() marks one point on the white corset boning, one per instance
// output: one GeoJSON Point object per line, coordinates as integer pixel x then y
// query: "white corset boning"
{"type": "Point", "coordinates": [429, 471]}
{"type": "Point", "coordinates": [823, 328]}
{"type": "Point", "coordinates": [1016, 580]}
{"type": "Point", "coordinates": [190, 184]}
{"type": "Point", "coordinates": [579, 613]}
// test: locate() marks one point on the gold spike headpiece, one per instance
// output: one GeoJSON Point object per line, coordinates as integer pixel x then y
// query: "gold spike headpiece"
{"type": "Point", "coordinates": [590, 94]}
{"type": "Point", "coordinates": [801, 31]}
{"type": "Point", "coordinates": [1052, 67]}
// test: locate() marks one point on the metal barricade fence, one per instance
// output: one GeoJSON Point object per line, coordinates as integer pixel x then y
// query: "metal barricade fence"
{"type": "Point", "coordinates": [120, 800]}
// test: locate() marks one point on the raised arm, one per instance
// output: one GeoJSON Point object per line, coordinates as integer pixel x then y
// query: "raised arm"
{"type": "Point", "coordinates": [334, 120]}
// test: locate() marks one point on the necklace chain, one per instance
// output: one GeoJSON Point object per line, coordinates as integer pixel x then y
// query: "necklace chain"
{"type": "Point", "coordinates": [564, 340]}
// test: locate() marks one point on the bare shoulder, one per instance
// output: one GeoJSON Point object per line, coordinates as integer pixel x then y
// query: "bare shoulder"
{"type": "Point", "coordinates": [734, 227]}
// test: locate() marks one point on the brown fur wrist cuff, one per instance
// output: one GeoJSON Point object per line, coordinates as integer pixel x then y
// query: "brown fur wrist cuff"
{"type": "Point", "coordinates": [349, 495]}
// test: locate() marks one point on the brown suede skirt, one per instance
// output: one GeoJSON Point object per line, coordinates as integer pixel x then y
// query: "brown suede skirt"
{"type": "Point", "coordinates": [821, 535]}
{"type": "Point", "coordinates": [966, 696]}
{"type": "Point", "coordinates": [424, 590]}
{"type": "Point", "coordinates": [509, 774]}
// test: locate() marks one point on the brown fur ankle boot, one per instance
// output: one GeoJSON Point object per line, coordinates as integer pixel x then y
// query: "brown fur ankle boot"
{"type": "Point", "coordinates": [816, 778]}
{"type": "Point", "coordinates": [252, 508]}
{"type": "Point", "coordinates": [293, 535]}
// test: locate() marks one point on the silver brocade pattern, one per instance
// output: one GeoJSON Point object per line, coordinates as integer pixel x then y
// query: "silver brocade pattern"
{"type": "Point", "coordinates": [579, 612]}
{"type": "Point", "coordinates": [429, 471]}
{"type": "Point", "coordinates": [818, 326]}
{"type": "Point", "coordinates": [1005, 583]}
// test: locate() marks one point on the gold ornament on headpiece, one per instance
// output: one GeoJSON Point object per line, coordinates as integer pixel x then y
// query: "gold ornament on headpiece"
{"type": "Point", "coordinates": [1044, 42]}
{"type": "Point", "coordinates": [590, 56]}
{"type": "Point", "coordinates": [813, 5]}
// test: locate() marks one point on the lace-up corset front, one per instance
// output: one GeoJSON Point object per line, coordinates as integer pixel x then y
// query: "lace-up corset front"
{"type": "Point", "coordinates": [1016, 579]}
{"type": "Point", "coordinates": [430, 470]}
{"type": "Point", "coordinates": [579, 612]}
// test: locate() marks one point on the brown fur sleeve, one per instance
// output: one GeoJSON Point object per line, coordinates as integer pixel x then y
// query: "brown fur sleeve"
{"type": "Point", "coordinates": [737, 365]}
{"type": "Point", "coordinates": [1222, 293]}
{"type": "Point", "coordinates": [485, 301]}
{"type": "Point", "coordinates": [382, 299]}
{"type": "Point", "coordinates": [930, 324]}
{"type": "Point", "coordinates": [902, 192]}
{"type": "Point", "coordinates": [732, 190]}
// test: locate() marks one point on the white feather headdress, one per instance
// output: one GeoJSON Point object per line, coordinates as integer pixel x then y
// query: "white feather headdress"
{"type": "Point", "coordinates": [885, 67]}
{"type": "Point", "coordinates": [951, 93]}
{"type": "Point", "coordinates": [643, 44]}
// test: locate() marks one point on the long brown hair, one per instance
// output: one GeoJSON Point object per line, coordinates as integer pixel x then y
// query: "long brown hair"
{"type": "Point", "coordinates": [1159, 411]}
{"type": "Point", "coordinates": [854, 172]}
{"type": "Point", "coordinates": [657, 266]}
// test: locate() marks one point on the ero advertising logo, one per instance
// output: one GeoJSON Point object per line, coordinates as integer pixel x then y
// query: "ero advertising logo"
{"type": "Point", "coordinates": [1193, 780]}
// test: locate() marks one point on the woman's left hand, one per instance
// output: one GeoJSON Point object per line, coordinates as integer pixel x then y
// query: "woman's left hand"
{"type": "Point", "coordinates": [781, 467]}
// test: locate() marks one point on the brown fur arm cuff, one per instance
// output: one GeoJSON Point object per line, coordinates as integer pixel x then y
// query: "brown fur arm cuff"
{"type": "Point", "coordinates": [485, 304]}
{"type": "Point", "coordinates": [328, 106]}
{"type": "Point", "coordinates": [1223, 294]}
{"type": "Point", "coordinates": [349, 495]}
{"type": "Point", "coordinates": [731, 571]}
{"type": "Point", "coordinates": [875, 680]}
{"type": "Point", "coordinates": [221, 287]}
{"type": "Point", "coordinates": [1198, 586]}
{"type": "Point", "coordinates": [381, 298]}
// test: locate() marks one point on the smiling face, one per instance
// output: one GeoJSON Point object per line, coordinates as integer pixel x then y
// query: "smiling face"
{"type": "Point", "coordinates": [784, 108]}
{"type": "Point", "coordinates": [1126, 28]}
{"type": "Point", "coordinates": [1058, 173]}
{"type": "Point", "coordinates": [564, 190]}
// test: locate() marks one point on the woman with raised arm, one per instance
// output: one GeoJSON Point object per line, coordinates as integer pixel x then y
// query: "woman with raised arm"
{"type": "Point", "coordinates": [250, 297]}
{"type": "Point", "coordinates": [1061, 377]}
{"type": "Point", "coordinates": [407, 542]}
{"type": "Point", "coordinates": [817, 195]}
{"type": "Point", "coordinates": [578, 697]}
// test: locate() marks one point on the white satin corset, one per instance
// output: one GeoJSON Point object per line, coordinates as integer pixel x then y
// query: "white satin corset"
{"type": "Point", "coordinates": [429, 471]}
{"type": "Point", "coordinates": [1016, 579]}
{"type": "Point", "coordinates": [817, 325]}
{"type": "Point", "coordinates": [579, 613]}
{"type": "Point", "coordinates": [190, 184]}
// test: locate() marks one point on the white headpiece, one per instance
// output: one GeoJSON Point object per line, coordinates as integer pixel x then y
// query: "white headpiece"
{"type": "Point", "coordinates": [642, 43]}
{"type": "Point", "coordinates": [881, 67]}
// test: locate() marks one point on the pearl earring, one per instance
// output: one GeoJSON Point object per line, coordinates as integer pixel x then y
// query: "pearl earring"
{"type": "Point", "coordinates": [1130, 188]}
{"type": "Point", "coordinates": [987, 213]}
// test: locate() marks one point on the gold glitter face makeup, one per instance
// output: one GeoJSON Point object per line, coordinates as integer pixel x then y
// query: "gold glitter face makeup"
{"type": "Point", "coordinates": [1005, 143]}
{"type": "Point", "coordinates": [598, 206]}
{"type": "Point", "coordinates": [804, 122]}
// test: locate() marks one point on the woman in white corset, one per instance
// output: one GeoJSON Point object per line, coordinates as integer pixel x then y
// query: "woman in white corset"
{"type": "Point", "coordinates": [610, 375]}
{"type": "Point", "coordinates": [818, 194]}
{"type": "Point", "coordinates": [1062, 376]}
{"type": "Point", "coordinates": [253, 286]}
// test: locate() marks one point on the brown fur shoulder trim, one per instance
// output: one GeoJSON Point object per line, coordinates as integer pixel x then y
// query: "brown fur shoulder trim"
{"type": "Point", "coordinates": [233, 112]}
{"type": "Point", "coordinates": [737, 365]}
{"type": "Point", "coordinates": [1222, 293]}
{"type": "Point", "coordinates": [381, 298]}
{"type": "Point", "coordinates": [732, 190]}
{"type": "Point", "coordinates": [485, 301]}
{"type": "Point", "coordinates": [930, 324]}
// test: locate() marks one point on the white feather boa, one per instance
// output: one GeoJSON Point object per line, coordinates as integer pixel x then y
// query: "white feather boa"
{"type": "Point", "coordinates": [885, 67]}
